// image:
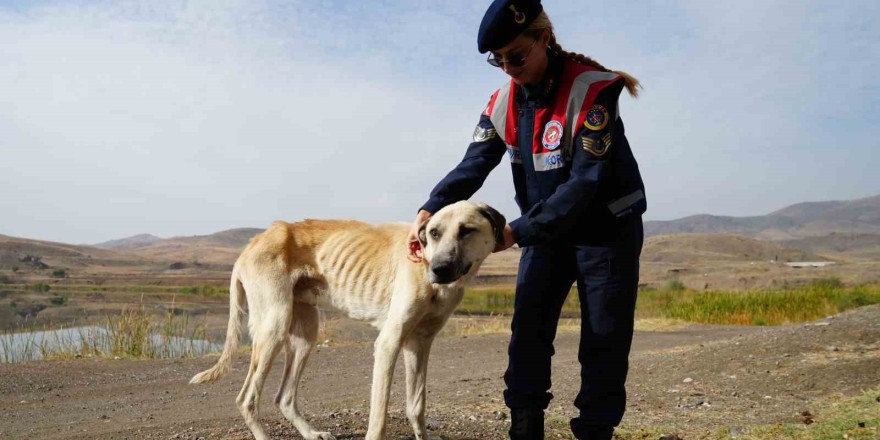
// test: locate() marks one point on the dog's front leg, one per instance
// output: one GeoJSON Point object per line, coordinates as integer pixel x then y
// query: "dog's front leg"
{"type": "Point", "coordinates": [385, 353]}
{"type": "Point", "coordinates": [415, 356]}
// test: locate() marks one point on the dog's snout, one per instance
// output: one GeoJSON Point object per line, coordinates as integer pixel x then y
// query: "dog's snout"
{"type": "Point", "coordinates": [444, 271]}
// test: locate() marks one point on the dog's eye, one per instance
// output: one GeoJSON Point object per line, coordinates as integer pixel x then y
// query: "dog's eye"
{"type": "Point", "coordinates": [464, 230]}
{"type": "Point", "coordinates": [435, 233]}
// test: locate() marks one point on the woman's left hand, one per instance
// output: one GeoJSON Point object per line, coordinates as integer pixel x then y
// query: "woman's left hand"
{"type": "Point", "coordinates": [508, 239]}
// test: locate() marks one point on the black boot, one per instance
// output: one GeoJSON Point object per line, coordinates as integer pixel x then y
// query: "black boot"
{"type": "Point", "coordinates": [526, 424]}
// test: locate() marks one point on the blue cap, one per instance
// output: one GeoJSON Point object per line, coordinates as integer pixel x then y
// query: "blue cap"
{"type": "Point", "coordinates": [504, 21]}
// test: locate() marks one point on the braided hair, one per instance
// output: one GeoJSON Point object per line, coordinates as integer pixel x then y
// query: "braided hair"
{"type": "Point", "coordinates": [543, 22]}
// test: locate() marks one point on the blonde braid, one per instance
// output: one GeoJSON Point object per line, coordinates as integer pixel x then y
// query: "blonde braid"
{"type": "Point", "coordinates": [543, 22]}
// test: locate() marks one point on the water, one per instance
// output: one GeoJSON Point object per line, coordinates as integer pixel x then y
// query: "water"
{"type": "Point", "coordinates": [27, 346]}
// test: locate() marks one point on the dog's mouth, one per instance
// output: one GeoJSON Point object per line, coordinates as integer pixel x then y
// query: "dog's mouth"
{"type": "Point", "coordinates": [447, 273]}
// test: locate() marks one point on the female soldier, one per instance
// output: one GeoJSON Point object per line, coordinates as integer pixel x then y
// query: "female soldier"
{"type": "Point", "coordinates": [581, 197]}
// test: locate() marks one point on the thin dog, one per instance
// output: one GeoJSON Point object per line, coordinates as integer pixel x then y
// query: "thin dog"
{"type": "Point", "coordinates": [364, 271]}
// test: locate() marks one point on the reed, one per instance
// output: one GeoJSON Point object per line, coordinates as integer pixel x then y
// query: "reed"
{"type": "Point", "coordinates": [134, 333]}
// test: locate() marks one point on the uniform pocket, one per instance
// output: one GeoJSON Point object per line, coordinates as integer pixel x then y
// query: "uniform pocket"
{"type": "Point", "coordinates": [595, 261]}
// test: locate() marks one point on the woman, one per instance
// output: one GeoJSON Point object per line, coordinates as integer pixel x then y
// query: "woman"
{"type": "Point", "coordinates": [581, 197]}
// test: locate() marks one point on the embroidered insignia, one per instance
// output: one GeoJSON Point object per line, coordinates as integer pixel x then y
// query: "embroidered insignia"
{"type": "Point", "coordinates": [596, 149]}
{"type": "Point", "coordinates": [484, 134]}
{"type": "Point", "coordinates": [597, 118]}
{"type": "Point", "coordinates": [518, 17]}
{"type": "Point", "coordinates": [552, 135]}
{"type": "Point", "coordinates": [606, 138]}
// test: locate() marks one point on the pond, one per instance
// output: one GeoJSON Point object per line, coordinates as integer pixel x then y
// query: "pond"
{"type": "Point", "coordinates": [83, 340]}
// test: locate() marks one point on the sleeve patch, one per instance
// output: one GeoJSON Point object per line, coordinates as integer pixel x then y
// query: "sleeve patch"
{"type": "Point", "coordinates": [597, 118]}
{"type": "Point", "coordinates": [482, 134]}
{"type": "Point", "coordinates": [597, 147]}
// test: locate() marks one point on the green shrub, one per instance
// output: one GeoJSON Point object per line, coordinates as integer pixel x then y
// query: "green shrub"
{"type": "Point", "coordinates": [59, 273]}
{"type": "Point", "coordinates": [205, 290]}
{"type": "Point", "coordinates": [827, 283]}
{"type": "Point", "coordinates": [675, 286]}
{"type": "Point", "coordinates": [39, 287]}
{"type": "Point", "coordinates": [14, 269]}
{"type": "Point", "coordinates": [58, 300]}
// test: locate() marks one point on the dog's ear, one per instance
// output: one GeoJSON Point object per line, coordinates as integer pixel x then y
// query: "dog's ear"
{"type": "Point", "coordinates": [496, 219]}
{"type": "Point", "coordinates": [422, 239]}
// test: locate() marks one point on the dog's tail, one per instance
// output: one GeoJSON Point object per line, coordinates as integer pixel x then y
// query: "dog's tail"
{"type": "Point", "coordinates": [233, 330]}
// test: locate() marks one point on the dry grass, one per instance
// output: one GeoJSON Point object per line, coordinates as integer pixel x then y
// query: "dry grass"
{"type": "Point", "coordinates": [462, 326]}
{"type": "Point", "coordinates": [132, 333]}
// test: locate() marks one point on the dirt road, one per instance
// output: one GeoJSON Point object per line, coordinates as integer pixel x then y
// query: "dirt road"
{"type": "Point", "coordinates": [691, 381]}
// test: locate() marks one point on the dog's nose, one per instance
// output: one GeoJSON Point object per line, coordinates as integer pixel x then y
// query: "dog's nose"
{"type": "Point", "coordinates": [444, 272]}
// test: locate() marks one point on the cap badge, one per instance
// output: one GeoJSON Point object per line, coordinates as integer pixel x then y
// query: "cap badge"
{"type": "Point", "coordinates": [552, 135]}
{"type": "Point", "coordinates": [518, 17]}
{"type": "Point", "coordinates": [597, 118]}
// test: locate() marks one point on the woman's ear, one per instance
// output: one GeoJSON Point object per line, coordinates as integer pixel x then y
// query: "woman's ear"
{"type": "Point", "coordinates": [545, 37]}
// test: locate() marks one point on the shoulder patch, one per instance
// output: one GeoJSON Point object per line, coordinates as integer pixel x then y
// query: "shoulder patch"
{"type": "Point", "coordinates": [597, 118]}
{"type": "Point", "coordinates": [484, 134]}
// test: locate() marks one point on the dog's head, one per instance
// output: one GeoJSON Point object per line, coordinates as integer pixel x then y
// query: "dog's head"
{"type": "Point", "coordinates": [457, 239]}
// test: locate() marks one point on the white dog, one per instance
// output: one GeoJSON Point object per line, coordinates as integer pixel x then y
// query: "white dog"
{"type": "Point", "coordinates": [364, 271]}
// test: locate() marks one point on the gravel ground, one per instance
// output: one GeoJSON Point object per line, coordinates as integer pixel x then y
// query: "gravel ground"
{"type": "Point", "coordinates": [689, 381]}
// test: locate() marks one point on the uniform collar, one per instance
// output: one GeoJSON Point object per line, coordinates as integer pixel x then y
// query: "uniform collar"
{"type": "Point", "coordinates": [541, 94]}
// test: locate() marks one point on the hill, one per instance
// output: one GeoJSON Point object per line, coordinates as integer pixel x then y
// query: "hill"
{"type": "Point", "coordinates": [809, 219]}
{"type": "Point", "coordinates": [219, 248]}
{"type": "Point", "coordinates": [25, 252]}
{"type": "Point", "coordinates": [696, 248]}
{"type": "Point", "coordinates": [840, 246]}
{"type": "Point", "coordinates": [141, 252]}
{"type": "Point", "coordinates": [132, 242]}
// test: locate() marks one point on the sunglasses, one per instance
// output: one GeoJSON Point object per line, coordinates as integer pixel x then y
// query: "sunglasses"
{"type": "Point", "coordinates": [510, 60]}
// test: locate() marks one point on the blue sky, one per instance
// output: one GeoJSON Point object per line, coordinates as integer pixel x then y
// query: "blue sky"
{"type": "Point", "coordinates": [189, 117]}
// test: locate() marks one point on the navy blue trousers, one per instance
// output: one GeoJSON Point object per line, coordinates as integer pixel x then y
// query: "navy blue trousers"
{"type": "Point", "coordinates": [607, 280]}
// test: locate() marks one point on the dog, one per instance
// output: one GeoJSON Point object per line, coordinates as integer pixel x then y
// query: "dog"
{"type": "Point", "coordinates": [363, 270]}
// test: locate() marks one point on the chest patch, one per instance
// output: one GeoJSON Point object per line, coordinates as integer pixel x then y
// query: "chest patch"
{"type": "Point", "coordinates": [552, 136]}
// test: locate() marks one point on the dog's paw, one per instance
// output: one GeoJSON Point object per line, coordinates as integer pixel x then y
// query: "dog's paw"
{"type": "Point", "coordinates": [323, 436]}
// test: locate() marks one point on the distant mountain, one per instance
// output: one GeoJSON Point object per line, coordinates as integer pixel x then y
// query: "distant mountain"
{"type": "Point", "coordinates": [809, 219]}
{"type": "Point", "coordinates": [132, 242]}
{"type": "Point", "coordinates": [703, 248]}
{"type": "Point", "coordinates": [219, 248]}
{"type": "Point", "coordinates": [144, 251]}
{"type": "Point", "coordinates": [840, 246]}
{"type": "Point", "coordinates": [25, 252]}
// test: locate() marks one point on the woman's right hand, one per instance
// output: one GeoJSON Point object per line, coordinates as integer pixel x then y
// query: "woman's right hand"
{"type": "Point", "coordinates": [414, 246]}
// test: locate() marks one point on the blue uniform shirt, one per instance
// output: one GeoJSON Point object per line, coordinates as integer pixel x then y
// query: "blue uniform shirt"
{"type": "Point", "coordinates": [575, 177]}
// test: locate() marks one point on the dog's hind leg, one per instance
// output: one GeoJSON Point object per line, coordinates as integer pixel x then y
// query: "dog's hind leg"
{"type": "Point", "coordinates": [301, 340]}
{"type": "Point", "coordinates": [272, 320]}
